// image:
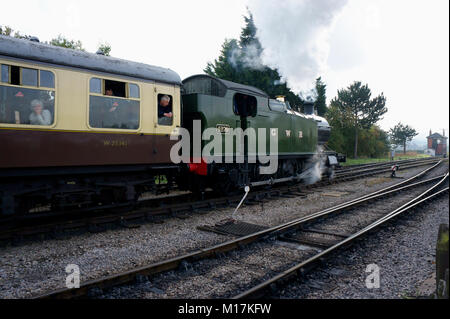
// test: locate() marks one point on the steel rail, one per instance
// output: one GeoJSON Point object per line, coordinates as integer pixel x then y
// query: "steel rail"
{"type": "Point", "coordinates": [175, 262]}
{"type": "Point", "coordinates": [361, 166]}
{"type": "Point", "coordinates": [384, 167]}
{"type": "Point", "coordinates": [301, 268]}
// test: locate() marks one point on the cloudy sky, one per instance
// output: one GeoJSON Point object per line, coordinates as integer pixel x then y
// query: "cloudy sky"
{"type": "Point", "coordinates": [399, 47]}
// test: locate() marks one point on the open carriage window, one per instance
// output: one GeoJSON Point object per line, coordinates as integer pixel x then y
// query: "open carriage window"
{"type": "Point", "coordinates": [165, 110]}
{"type": "Point", "coordinates": [15, 75]}
{"type": "Point", "coordinates": [115, 88]}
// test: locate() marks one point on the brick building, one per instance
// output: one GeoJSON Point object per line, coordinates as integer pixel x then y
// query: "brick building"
{"type": "Point", "coordinates": [437, 144]}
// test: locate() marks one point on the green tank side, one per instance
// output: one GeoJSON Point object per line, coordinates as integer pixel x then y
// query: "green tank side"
{"type": "Point", "coordinates": [297, 136]}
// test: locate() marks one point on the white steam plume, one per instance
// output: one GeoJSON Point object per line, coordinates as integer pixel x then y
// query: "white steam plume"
{"type": "Point", "coordinates": [249, 57]}
{"type": "Point", "coordinates": [295, 36]}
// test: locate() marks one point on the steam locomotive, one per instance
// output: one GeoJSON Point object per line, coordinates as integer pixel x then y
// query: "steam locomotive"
{"type": "Point", "coordinates": [103, 141]}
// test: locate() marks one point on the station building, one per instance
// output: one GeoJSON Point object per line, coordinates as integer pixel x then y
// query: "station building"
{"type": "Point", "coordinates": [437, 144]}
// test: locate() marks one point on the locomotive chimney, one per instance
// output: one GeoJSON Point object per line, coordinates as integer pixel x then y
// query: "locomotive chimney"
{"type": "Point", "coordinates": [308, 107]}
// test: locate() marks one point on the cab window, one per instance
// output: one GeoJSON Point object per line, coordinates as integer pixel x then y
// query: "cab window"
{"type": "Point", "coordinates": [244, 105]}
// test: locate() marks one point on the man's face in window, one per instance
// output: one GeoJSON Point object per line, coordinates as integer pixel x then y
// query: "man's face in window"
{"type": "Point", "coordinates": [164, 102]}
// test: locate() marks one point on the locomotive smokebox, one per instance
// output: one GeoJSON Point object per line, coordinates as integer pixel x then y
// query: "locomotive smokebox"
{"type": "Point", "coordinates": [323, 128]}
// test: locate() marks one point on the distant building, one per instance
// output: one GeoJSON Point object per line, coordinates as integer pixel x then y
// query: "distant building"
{"type": "Point", "coordinates": [437, 144]}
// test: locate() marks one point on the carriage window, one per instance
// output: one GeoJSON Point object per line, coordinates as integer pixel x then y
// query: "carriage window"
{"type": "Point", "coordinates": [47, 79]}
{"type": "Point", "coordinates": [110, 112]}
{"type": "Point", "coordinates": [29, 77]}
{"type": "Point", "coordinates": [26, 106]}
{"type": "Point", "coordinates": [95, 85]}
{"type": "Point", "coordinates": [115, 88]}
{"type": "Point", "coordinates": [112, 109]}
{"type": "Point", "coordinates": [165, 114]}
{"type": "Point", "coordinates": [134, 91]}
{"type": "Point", "coordinates": [5, 73]}
{"type": "Point", "coordinates": [15, 75]}
{"type": "Point", "coordinates": [244, 105]}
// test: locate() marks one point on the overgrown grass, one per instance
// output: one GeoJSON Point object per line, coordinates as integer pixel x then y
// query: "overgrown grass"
{"type": "Point", "coordinates": [398, 157]}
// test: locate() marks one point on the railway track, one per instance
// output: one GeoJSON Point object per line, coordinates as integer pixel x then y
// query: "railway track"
{"type": "Point", "coordinates": [368, 165]}
{"type": "Point", "coordinates": [153, 210]}
{"type": "Point", "coordinates": [277, 232]}
{"type": "Point", "coordinates": [270, 285]}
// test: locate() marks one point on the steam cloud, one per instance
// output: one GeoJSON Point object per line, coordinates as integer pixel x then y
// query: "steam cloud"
{"type": "Point", "coordinates": [315, 168]}
{"type": "Point", "coordinates": [295, 36]}
{"type": "Point", "coordinates": [248, 56]}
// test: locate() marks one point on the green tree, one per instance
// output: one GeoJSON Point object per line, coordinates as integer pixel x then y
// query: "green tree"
{"type": "Point", "coordinates": [222, 68]}
{"type": "Point", "coordinates": [374, 142]}
{"type": "Point", "coordinates": [402, 134]}
{"type": "Point", "coordinates": [240, 61]}
{"type": "Point", "coordinates": [61, 41]}
{"type": "Point", "coordinates": [104, 48]}
{"type": "Point", "coordinates": [8, 31]}
{"type": "Point", "coordinates": [341, 139]}
{"type": "Point", "coordinates": [248, 34]}
{"type": "Point", "coordinates": [361, 111]}
{"type": "Point", "coordinates": [321, 101]}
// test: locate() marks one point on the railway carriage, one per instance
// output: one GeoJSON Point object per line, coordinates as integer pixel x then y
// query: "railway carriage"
{"type": "Point", "coordinates": [95, 147]}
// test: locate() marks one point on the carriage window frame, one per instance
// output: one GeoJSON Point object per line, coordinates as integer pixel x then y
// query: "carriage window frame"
{"type": "Point", "coordinates": [138, 91]}
{"type": "Point", "coordinates": [90, 86]}
{"type": "Point", "coordinates": [35, 76]}
{"type": "Point", "coordinates": [10, 65]}
{"type": "Point", "coordinates": [38, 70]}
{"type": "Point", "coordinates": [158, 97]}
{"type": "Point", "coordinates": [53, 79]}
{"type": "Point", "coordinates": [103, 95]}
{"type": "Point", "coordinates": [3, 68]}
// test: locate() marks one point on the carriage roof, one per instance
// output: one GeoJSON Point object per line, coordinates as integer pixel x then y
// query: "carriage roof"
{"type": "Point", "coordinates": [46, 53]}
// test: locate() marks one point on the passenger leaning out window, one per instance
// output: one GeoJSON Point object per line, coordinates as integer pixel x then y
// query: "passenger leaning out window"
{"type": "Point", "coordinates": [165, 111]}
{"type": "Point", "coordinates": [39, 115]}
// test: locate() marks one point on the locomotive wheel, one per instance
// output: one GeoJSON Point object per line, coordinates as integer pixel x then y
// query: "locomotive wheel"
{"type": "Point", "coordinates": [226, 184]}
